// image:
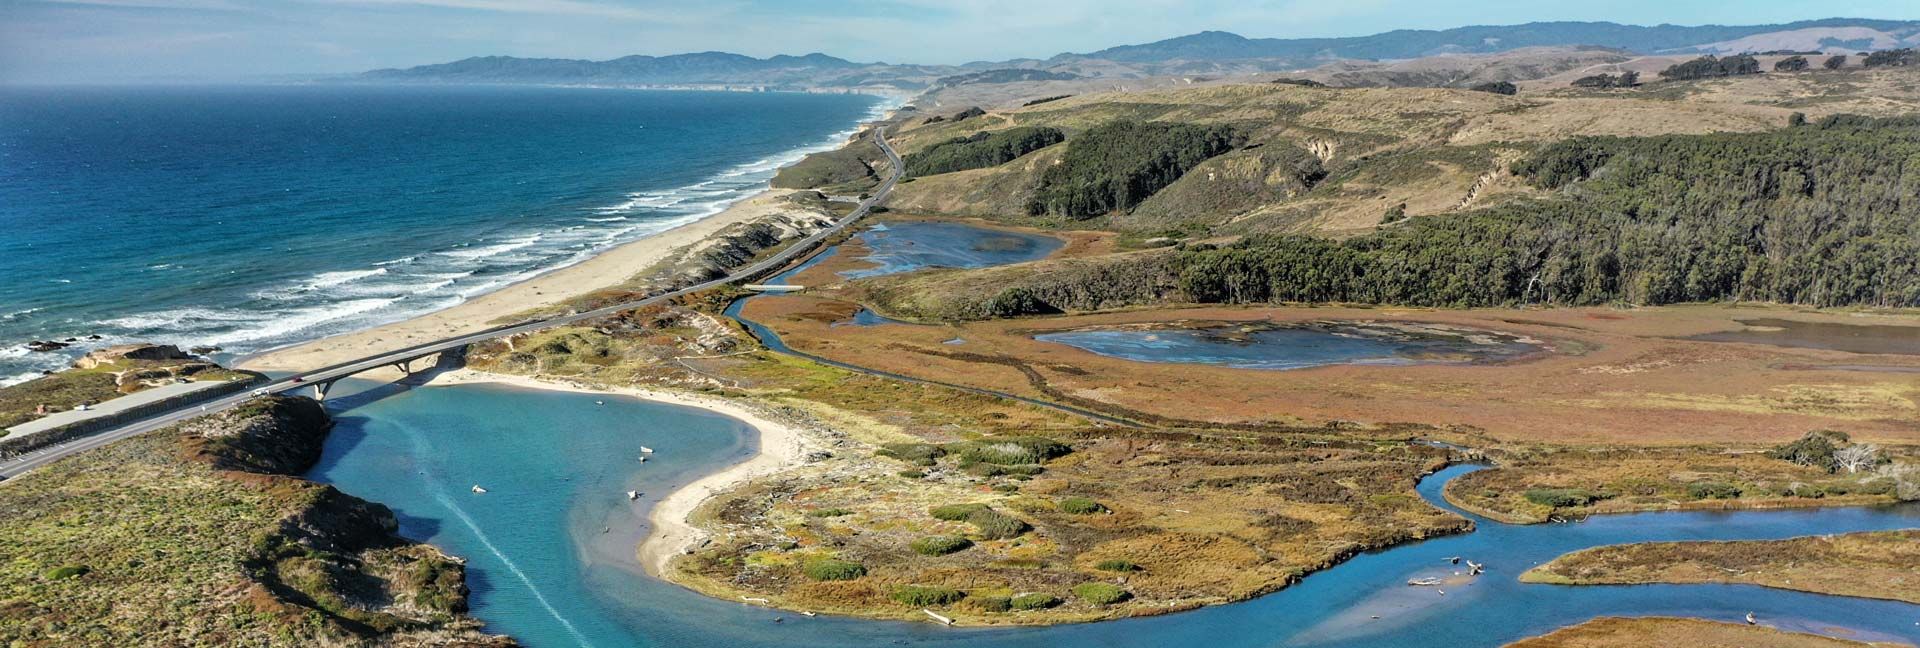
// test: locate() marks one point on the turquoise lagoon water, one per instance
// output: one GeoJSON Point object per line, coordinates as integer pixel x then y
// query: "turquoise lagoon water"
{"type": "Point", "coordinates": [253, 217]}
{"type": "Point", "coordinates": [556, 466]}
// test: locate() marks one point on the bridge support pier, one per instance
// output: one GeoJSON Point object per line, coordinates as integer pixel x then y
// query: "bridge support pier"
{"type": "Point", "coordinates": [320, 390]}
{"type": "Point", "coordinates": [405, 367]}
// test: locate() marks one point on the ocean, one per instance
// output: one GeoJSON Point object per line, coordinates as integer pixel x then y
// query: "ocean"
{"type": "Point", "coordinates": [254, 217]}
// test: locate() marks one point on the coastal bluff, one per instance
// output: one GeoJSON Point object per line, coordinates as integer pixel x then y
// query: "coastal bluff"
{"type": "Point", "coordinates": [203, 533]}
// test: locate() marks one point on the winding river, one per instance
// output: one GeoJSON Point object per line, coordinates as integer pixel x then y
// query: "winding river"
{"type": "Point", "coordinates": [550, 544]}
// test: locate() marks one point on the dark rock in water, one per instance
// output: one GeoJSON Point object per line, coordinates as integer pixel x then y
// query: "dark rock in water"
{"type": "Point", "coordinates": [71, 339]}
{"type": "Point", "coordinates": [43, 346]}
{"type": "Point", "coordinates": [95, 336]}
{"type": "Point", "coordinates": [137, 351]}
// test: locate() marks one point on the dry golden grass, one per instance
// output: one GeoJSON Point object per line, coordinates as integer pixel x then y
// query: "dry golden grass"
{"type": "Point", "coordinates": [1655, 479]}
{"type": "Point", "coordinates": [1875, 564]}
{"type": "Point", "coordinates": [1612, 632]}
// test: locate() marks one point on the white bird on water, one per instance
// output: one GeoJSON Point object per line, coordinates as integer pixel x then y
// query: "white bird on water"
{"type": "Point", "coordinates": [478, 489]}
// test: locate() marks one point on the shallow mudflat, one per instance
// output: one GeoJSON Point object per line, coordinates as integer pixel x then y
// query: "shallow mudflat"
{"type": "Point", "coordinates": [1601, 375]}
{"type": "Point", "coordinates": [1263, 345]}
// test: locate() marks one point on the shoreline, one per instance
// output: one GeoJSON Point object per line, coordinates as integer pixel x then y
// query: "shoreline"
{"type": "Point", "coordinates": [607, 269]}
{"type": "Point", "coordinates": [779, 446]}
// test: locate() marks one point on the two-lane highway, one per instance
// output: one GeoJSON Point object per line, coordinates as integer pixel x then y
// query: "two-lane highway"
{"type": "Point", "coordinates": [29, 461]}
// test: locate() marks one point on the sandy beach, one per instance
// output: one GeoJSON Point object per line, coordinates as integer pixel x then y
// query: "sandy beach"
{"type": "Point", "coordinates": [781, 447]}
{"type": "Point", "coordinates": [607, 269]}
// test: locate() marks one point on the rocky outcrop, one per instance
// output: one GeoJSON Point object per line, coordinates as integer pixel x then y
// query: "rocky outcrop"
{"type": "Point", "coordinates": [137, 351]}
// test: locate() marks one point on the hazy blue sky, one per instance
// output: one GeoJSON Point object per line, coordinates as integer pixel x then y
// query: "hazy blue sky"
{"type": "Point", "coordinates": [100, 40]}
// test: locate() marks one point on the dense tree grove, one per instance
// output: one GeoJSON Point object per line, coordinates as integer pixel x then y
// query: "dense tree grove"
{"type": "Point", "coordinates": [1823, 214]}
{"type": "Point", "coordinates": [1498, 87]}
{"type": "Point", "coordinates": [1300, 82]}
{"type": "Point", "coordinates": [1792, 64]}
{"type": "Point", "coordinates": [1116, 165]}
{"type": "Point", "coordinates": [1626, 79]}
{"type": "Point", "coordinates": [1707, 67]}
{"type": "Point", "coordinates": [1890, 58]}
{"type": "Point", "coordinates": [981, 150]}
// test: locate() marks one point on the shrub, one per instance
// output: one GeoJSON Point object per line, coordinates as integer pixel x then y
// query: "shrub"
{"type": "Point", "coordinates": [1010, 450]}
{"type": "Point", "coordinates": [1814, 449]}
{"type": "Point", "coordinates": [990, 603]}
{"type": "Point", "coordinates": [1889, 58]}
{"type": "Point", "coordinates": [1498, 87]}
{"type": "Point", "coordinates": [1100, 593]}
{"type": "Point", "coordinates": [1710, 66]}
{"type": "Point", "coordinates": [1116, 165]}
{"type": "Point", "coordinates": [1034, 601]}
{"type": "Point", "coordinates": [1792, 64]}
{"type": "Point", "coordinates": [1713, 490]}
{"type": "Point", "coordinates": [1081, 506]}
{"type": "Point", "coordinates": [1023, 471]}
{"type": "Point", "coordinates": [1116, 565]}
{"type": "Point", "coordinates": [66, 572]}
{"type": "Point", "coordinates": [1005, 488]}
{"type": "Point", "coordinates": [981, 150]}
{"type": "Point", "coordinates": [1623, 80]}
{"type": "Point", "coordinates": [829, 512]}
{"type": "Point", "coordinates": [912, 474]}
{"type": "Point", "coordinates": [939, 545]}
{"type": "Point", "coordinates": [1561, 497]}
{"type": "Point", "coordinates": [955, 512]}
{"type": "Point", "coordinates": [918, 453]}
{"type": "Point", "coordinates": [1882, 486]}
{"type": "Point", "coordinates": [918, 596]}
{"type": "Point", "coordinates": [994, 525]}
{"type": "Point", "coordinates": [830, 569]}
{"type": "Point", "coordinates": [1835, 62]}
{"type": "Point", "coordinates": [1809, 491]}
{"type": "Point", "coordinates": [985, 470]}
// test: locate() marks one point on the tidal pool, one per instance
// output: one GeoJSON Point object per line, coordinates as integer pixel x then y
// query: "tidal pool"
{"type": "Point", "coordinates": [906, 246]}
{"type": "Point", "coordinates": [1852, 338]}
{"type": "Point", "coordinates": [549, 546]}
{"type": "Point", "coordinates": [1296, 346]}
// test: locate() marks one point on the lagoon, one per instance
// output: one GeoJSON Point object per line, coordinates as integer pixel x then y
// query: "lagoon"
{"type": "Point", "coordinates": [556, 464]}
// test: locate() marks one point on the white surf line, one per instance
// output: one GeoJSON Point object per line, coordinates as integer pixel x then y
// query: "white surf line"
{"type": "Point", "coordinates": [440, 494]}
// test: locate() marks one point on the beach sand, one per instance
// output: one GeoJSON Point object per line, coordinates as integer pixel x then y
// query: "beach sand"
{"type": "Point", "coordinates": [782, 446]}
{"type": "Point", "coordinates": [607, 269]}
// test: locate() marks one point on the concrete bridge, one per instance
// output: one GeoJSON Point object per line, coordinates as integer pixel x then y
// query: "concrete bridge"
{"type": "Point", "coordinates": [320, 381]}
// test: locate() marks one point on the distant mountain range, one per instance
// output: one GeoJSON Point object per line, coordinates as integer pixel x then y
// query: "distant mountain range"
{"type": "Point", "coordinates": [1205, 52]}
{"type": "Point", "coordinates": [1416, 43]}
{"type": "Point", "coordinates": [704, 68]}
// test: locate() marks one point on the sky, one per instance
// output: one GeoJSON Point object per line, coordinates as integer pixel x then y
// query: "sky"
{"type": "Point", "coordinates": [84, 41]}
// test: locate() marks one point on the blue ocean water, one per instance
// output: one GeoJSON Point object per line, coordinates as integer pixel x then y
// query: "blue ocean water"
{"type": "Point", "coordinates": [255, 217]}
{"type": "Point", "coordinates": [550, 563]}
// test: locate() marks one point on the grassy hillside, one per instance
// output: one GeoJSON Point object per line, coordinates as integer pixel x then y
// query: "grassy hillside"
{"type": "Point", "coordinates": [198, 534]}
{"type": "Point", "coordinates": [1436, 151]}
{"type": "Point", "coordinates": [1821, 214]}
